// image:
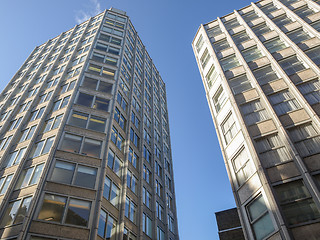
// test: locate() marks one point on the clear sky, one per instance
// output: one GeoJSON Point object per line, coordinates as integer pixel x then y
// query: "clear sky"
{"type": "Point", "coordinates": [167, 28]}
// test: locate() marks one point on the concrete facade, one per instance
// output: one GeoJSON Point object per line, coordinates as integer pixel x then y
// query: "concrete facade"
{"type": "Point", "coordinates": [84, 139]}
{"type": "Point", "coordinates": [260, 70]}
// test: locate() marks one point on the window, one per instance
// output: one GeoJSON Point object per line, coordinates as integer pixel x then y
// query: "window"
{"type": "Point", "coordinates": [254, 112]}
{"type": "Point", "coordinates": [221, 45]}
{"type": "Point", "coordinates": [4, 183]}
{"type": "Point", "coordinates": [146, 195]}
{"type": "Point", "coordinates": [243, 166]}
{"type": "Point", "coordinates": [159, 188]}
{"type": "Point", "coordinates": [305, 138]}
{"type": "Point", "coordinates": [93, 101]}
{"type": "Point", "coordinates": [114, 163]}
{"type": "Point", "coordinates": [130, 210]}
{"type": "Point", "coordinates": [4, 142]}
{"type": "Point", "coordinates": [146, 154]}
{"type": "Point", "coordinates": [15, 123]}
{"type": "Point", "coordinates": [107, 227]}
{"type": "Point", "coordinates": [84, 120]}
{"type": "Point", "coordinates": [296, 203]}
{"type": "Point", "coordinates": [170, 223]}
{"type": "Point", "coordinates": [231, 23]}
{"type": "Point", "coordinates": [211, 76]}
{"type": "Point", "coordinates": [117, 139]}
{"type": "Point", "coordinates": [272, 151]}
{"type": "Point", "coordinates": [229, 62]}
{"type": "Point", "coordinates": [240, 37]}
{"type": "Point", "coordinates": [240, 84]}
{"type": "Point", "coordinates": [14, 158]}
{"type": "Point", "coordinates": [111, 192]}
{"type": "Point", "coordinates": [16, 211]}
{"type": "Point", "coordinates": [251, 54]}
{"type": "Point", "coordinates": [74, 174]}
{"type": "Point", "coordinates": [147, 225]}
{"type": "Point", "coordinates": [105, 59]}
{"type": "Point", "coordinates": [122, 102]}
{"type": "Point", "coordinates": [132, 181]}
{"type": "Point", "coordinates": [82, 145]}
{"type": "Point", "coordinates": [261, 29]}
{"type": "Point", "coordinates": [132, 157]}
{"type": "Point", "coordinates": [283, 102]}
{"type": "Point", "coordinates": [316, 25]}
{"type": "Point", "coordinates": [160, 234]}
{"type": "Point", "coordinates": [160, 211]}
{"type": "Point", "coordinates": [128, 235]}
{"type": "Point", "coordinates": [214, 31]}
{"type": "Point", "coordinates": [103, 71]}
{"type": "Point", "coordinates": [157, 169]}
{"type": "Point", "coordinates": [107, 38]}
{"type": "Point", "coordinates": [265, 74]}
{"type": "Point", "coordinates": [304, 11]}
{"type": "Point", "coordinates": [282, 20]}
{"type": "Point", "coordinates": [37, 114]}
{"type": "Point", "coordinates": [157, 151]}
{"type": "Point", "coordinates": [97, 85]}
{"type": "Point", "coordinates": [310, 90]}
{"type": "Point", "coordinates": [135, 120]}
{"type": "Point", "coordinates": [229, 129]}
{"type": "Point", "coordinates": [65, 210]}
{"type": "Point", "coordinates": [147, 137]}
{"type": "Point", "coordinates": [199, 43]}
{"type": "Point", "coordinates": [29, 176]}
{"type": "Point", "coordinates": [314, 55]}
{"type": "Point", "coordinates": [260, 219]}
{"type": "Point", "coordinates": [298, 35]}
{"type": "Point", "coordinates": [250, 16]}
{"type": "Point", "coordinates": [219, 99]}
{"type": "Point", "coordinates": [146, 174]}
{"type": "Point", "coordinates": [205, 58]}
{"type": "Point", "coordinates": [119, 118]}
{"type": "Point", "coordinates": [61, 103]}
{"type": "Point", "coordinates": [52, 123]}
{"type": "Point", "coordinates": [169, 201]}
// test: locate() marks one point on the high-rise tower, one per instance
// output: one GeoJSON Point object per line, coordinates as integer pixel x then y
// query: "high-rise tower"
{"type": "Point", "coordinates": [84, 139]}
{"type": "Point", "coordinates": [260, 70]}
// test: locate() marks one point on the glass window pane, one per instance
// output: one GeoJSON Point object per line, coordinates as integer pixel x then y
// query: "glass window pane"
{"type": "Point", "coordinates": [36, 174]}
{"type": "Point", "coordinates": [86, 176]}
{"type": "Point", "coordinates": [63, 172]}
{"type": "Point", "coordinates": [78, 212]}
{"type": "Point", "coordinates": [91, 147]}
{"type": "Point", "coordinates": [79, 119]}
{"type": "Point", "coordinates": [52, 208]}
{"type": "Point", "coordinates": [97, 123]}
{"type": "Point", "coordinates": [71, 143]}
{"type": "Point", "coordinates": [84, 99]}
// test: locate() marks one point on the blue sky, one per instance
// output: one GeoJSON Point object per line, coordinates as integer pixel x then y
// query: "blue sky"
{"type": "Point", "coordinates": [166, 29]}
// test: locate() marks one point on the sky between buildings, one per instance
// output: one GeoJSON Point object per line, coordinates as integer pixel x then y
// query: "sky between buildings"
{"type": "Point", "coordinates": [166, 28]}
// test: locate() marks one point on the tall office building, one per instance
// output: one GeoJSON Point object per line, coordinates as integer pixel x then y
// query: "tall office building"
{"type": "Point", "coordinates": [260, 70]}
{"type": "Point", "coordinates": [85, 147]}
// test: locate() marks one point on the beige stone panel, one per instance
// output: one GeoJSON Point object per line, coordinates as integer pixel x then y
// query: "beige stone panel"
{"type": "Point", "coordinates": [291, 26]}
{"type": "Point", "coordinates": [236, 29]}
{"type": "Point", "coordinates": [276, 13]}
{"type": "Point", "coordinates": [297, 4]}
{"type": "Point", "coordinates": [303, 76]}
{"type": "Point", "coordinates": [229, 17]}
{"type": "Point", "coordinates": [249, 188]}
{"type": "Point", "coordinates": [275, 236]}
{"type": "Point", "coordinates": [225, 53]}
{"type": "Point", "coordinates": [306, 232]}
{"type": "Point", "coordinates": [78, 158]}
{"type": "Point", "coordinates": [256, 21]}
{"type": "Point", "coordinates": [313, 17]}
{"type": "Point", "coordinates": [312, 162]}
{"type": "Point", "coordinates": [70, 190]}
{"type": "Point", "coordinates": [263, 3]}
{"type": "Point", "coordinates": [283, 53]}
{"type": "Point", "coordinates": [283, 171]}
{"type": "Point", "coordinates": [218, 37]}
{"type": "Point", "coordinates": [294, 117]}
{"type": "Point", "coordinates": [246, 96]}
{"type": "Point", "coordinates": [268, 36]}
{"type": "Point", "coordinates": [309, 43]}
{"type": "Point", "coordinates": [258, 63]}
{"type": "Point", "coordinates": [23, 192]}
{"type": "Point", "coordinates": [245, 10]}
{"type": "Point", "coordinates": [246, 44]}
{"type": "Point", "coordinates": [274, 86]}
{"type": "Point", "coordinates": [10, 231]}
{"type": "Point", "coordinates": [58, 230]}
{"type": "Point", "coordinates": [234, 72]}
{"type": "Point", "coordinates": [262, 128]}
